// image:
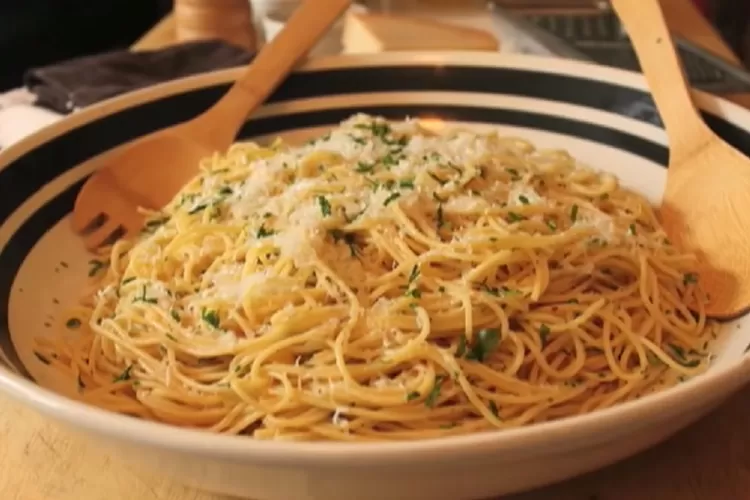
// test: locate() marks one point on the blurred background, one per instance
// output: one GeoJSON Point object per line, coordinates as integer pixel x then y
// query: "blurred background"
{"type": "Point", "coordinates": [39, 32]}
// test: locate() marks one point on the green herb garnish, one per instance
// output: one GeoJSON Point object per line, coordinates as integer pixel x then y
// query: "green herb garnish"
{"type": "Point", "coordinates": [514, 175]}
{"type": "Point", "coordinates": [175, 315]}
{"type": "Point", "coordinates": [690, 279]}
{"type": "Point", "coordinates": [264, 233]}
{"type": "Point", "coordinates": [95, 266]}
{"type": "Point", "coordinates": [406, 183]}
{"type": "Point", "coordinates": [143, 298]}
{"type": "Point", "coordinates": [494, 410]}
{"type": "Point", "coordinates": [439, 216]}
{"type": "Point", "coordinates": [484, 345]}
{"type": "Point", "coordinates": [551, 224]}
{"type": "Point", "coordinates": [679, 356]}
{"type": "Point", "coordinates": [514, 217]}
{"type": "Point", "coordinates": [461, 349]}
{"type": "Point", "coordinates": [523, 199]}
{"type": "Point", "coordinates": [544, 332]}
{"type": "Point", "coordinates": [412, 396]}
{"type": "Point", "coordinates": [437, 179]}
{"type": "Point", "coordinates": [325, 206]}
{"type": "Point", "coordinates": [125, 375]}
{"type": "Point", "coordinates": [211, 317]}
{"type": "Point", "coordinates": [434, 394]}
{"type": "Point", "coordinates": [574, 213]}
{"type": "Point", "coordinates": [155, 224]}
{"type": "Point", "coordinates": [631, 230]}
{"type": "Point", "coordinates": [393, 197]}
{"type": "Point", "coordinates": [364, 168]}
{"type": "Point", "coordinates": [198, 208]}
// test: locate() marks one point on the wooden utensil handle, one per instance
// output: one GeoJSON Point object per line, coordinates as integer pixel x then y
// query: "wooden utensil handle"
{"type": "Point", "coordinates": [303, 29]}
{"type": "Point", "coordinates": [659, 61]}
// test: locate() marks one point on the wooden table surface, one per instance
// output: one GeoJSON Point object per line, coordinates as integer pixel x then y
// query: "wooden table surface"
{"type": "Point", "coordinates": [708, 461]}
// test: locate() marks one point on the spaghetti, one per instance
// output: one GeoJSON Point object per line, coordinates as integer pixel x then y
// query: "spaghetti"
{"type": "Point", "coordinates": [387, 281]}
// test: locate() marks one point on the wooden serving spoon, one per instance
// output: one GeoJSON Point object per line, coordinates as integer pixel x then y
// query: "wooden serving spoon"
{"type": "Point", "coordinates": [706, 205]}
{"type": "Point", "coordinates": [148, 172]}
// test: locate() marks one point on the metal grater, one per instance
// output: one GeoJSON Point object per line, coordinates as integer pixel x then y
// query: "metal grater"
{"type": "Point", "coordinates": [599, 37]}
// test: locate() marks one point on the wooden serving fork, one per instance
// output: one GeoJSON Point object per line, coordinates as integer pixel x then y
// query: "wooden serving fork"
{"type": "Point", "coordinates": [148, 172]}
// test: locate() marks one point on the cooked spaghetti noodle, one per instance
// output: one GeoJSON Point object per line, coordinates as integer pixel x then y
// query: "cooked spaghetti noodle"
{"type": "Point", "coordinates": [387, 281]}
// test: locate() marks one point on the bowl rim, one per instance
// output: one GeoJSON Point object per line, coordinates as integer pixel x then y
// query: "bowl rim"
{"type": "Point", "coordinates": [722, 379]}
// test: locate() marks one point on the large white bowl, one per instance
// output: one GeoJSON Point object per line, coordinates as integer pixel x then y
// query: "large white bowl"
{"type": "Point", "coordinates": [602, 116]}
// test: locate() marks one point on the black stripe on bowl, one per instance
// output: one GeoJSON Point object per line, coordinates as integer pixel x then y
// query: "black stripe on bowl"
{"type": "Point", "coordinates": [27, 174]}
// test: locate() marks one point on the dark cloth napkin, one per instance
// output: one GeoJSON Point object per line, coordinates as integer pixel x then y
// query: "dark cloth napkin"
{"type": "Point", "coordinates": [80, 82]}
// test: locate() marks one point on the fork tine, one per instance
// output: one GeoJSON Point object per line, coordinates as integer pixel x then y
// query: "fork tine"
{"type": "Point", "coordinates": [101, 208]}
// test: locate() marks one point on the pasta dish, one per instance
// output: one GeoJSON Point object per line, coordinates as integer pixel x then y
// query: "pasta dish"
{"type": "Point", "coordinates": [387, 281]}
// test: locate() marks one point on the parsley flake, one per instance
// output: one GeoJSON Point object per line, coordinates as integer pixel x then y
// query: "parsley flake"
{"type": "Point", "coordinates": [325, 206]}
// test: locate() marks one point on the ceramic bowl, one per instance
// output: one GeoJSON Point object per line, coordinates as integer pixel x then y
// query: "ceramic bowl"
{"type": "Point", "coordinates": [602, 116]}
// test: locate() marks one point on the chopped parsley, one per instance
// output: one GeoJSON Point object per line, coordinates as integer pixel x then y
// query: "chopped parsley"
{"type": "Point", "coordinates": [412, 396]}
{"type": "Point", "coordinates": [155, 224]}
{"type": "Point", "coordinates": [175, 315]}
{"type": "Point", "coordinates": [225, 191]}
{"type": "Point", "coordinates": [197, 209]}
{"type": "Point", "coordinates": [494, 410]}
{"type": "Point", "coordinates": [143, 298]}
{"type": "Point", "coordinates": [514, 175]}
{"type": "Point", "coordinates": [439, 216]}
{"type": "Point", "coordinates": [690, 279]}
{"type": "Point", "coordinates": [484, 345]}
{"type": "Point", "coordinates": [325, 206]}
{"type": "Point", "coordinates": [461, 349]}
{"type": "Point", "coordinates": [551, 224]}
{"type": "Point", "coordinates": [514, 217]}
{"type": "Point", "coordinates": [127, 280]}
{"type": "Point", "coordinates": [434, 394]}
{"type": "Point", "coordinates": [211, 317]}
{"type": "Point", "coordinates": [678, 354]}
{"type": "Point", "coordinates": [544, 332]}
{"type": "Point", "coordinates": [390, 160]}
{"type": "Point", "coordinates": [414, 274]}
{"type": "Point", "coordinates": [73, 323]}
{"type": "Point", "coordinates": [406, 183]}
{"type": "Point", "coordinates": [125, 375]}
{"type": "Point", "coordinates": [632, 230]}
{"type": "Point", "coordinates": [573, 213]}
{"type": "Point", "coordinates": [523, 199]}
{"type": "Point", "coordinates": [264, 233]}
{"type": "Point", "coordinates": [364, 168]}
{"type": "Point", "coordinates": [380, 130]}
{"type": "Point", "coordinates": [95, 266]}
{"type": "Point", "coordinates": [393, 197]}
{"type": "Point", "coordinates": [437, 179]}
